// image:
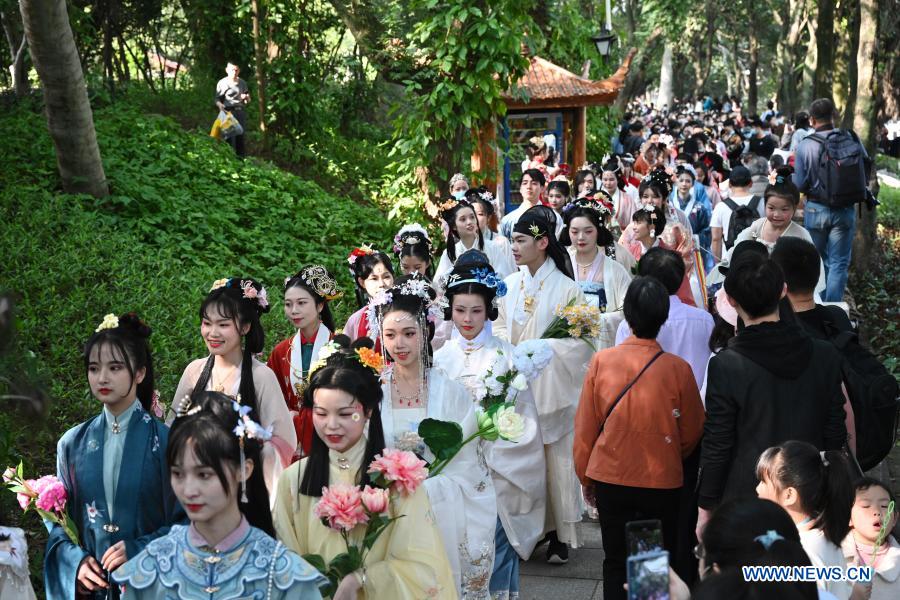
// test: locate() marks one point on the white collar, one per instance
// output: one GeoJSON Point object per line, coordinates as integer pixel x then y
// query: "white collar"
{"type": "Point", "coordinates": [122, 420]}
{"type": "Point", "coordinates": [479, 340]}
{"type": "Point", "coordinates": [542, 273]}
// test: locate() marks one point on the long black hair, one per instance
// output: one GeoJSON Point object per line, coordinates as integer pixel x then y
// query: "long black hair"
{"type": "Point", "coordinates": [363, 266]}
{"type": "Point", "coordinates": [449, 215]}
{"type": "Point", "coordinates": [413, 240]}
{"type": "Point", "coordinates": [308, 278]}
{"type": "Point", "coordinates": [402, 300]}
{"type": "Point", "coordinates": [539, 221]}
{"type": "Point", "coordinates": [343, 371]}
{"type": "Point", "coordinates": [822, 481]}
{"type": "Point", "coordinates": [209, 430]}
{"type": "Point", "coordinates": [234, 301]}
{"type": "Point", "coordinates": [574, 210]}
{"type": "Point", "coordinates": [130, 340]}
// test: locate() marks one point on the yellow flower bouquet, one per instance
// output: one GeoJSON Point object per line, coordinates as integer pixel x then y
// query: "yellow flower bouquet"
{"type": "Point", "coordinates": [577, 321]}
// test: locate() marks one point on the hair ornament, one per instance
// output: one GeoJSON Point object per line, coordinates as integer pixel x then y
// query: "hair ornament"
{"type": "Point", "coordinates": [586, 167]}
{"type": "Point", "coordinates": [458, 178]}
{"type": "Point", "coordinates": [219, 283]}
{"type": "Point", "coordinates": [410, 235]}
{"type": "Point", "coordinates": [371, 359]}
{"type": "Point", "coordinates": [317, 277]}
{"type": "Point", "coordinates": [185, 408]}
{"type": "Point", "coordinates": [247, 428]}
{"type": "Point", "coordinates": [482, 276]}
{"type": "Point", "coordinates": [824, 460]}
{"type": "Point", "coordinates": [448, 205]}
{"type": "Point", "coordinates": [538, 142]}
{"type": "Point", "coordinates": [536, 232]}
{"type": "Point", "coordinates": [364, 250]}
{"type": "Point", "coordinates": [776, 179]}
{"type": "Point", "coordinates": [251, 293]}
{"type": "Point", "coordinates": [768, 538]}
{"type": "Point", "coordinates": [110, 321]}
{"type": "Point", "coordinates": [486, 196]}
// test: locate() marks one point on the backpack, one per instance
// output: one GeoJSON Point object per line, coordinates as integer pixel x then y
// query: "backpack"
{"type": "Point", "coordinates": [841, 169]}
{"type": "Point", "coordinates": [873, 394]}
{"type": "Point", "coordinates": [742, 217]}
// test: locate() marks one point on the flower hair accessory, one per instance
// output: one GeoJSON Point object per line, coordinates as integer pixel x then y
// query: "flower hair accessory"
{"type": "Point", "coordinates": [484, 277]}
{"type": "Point", "coordinates": [371, 359]}
{"type": "Point", "coordinates": [317, 277]}
{"type": "Point", "coordinates": [251, 293]}
{"type": "Point", "coordinates": [536, 232]}
{"type": "Point", "coordinates": [776, 179]}
{"type": "Point", "coordinates": [486, 196]}
{"type": "Point", "coordinates": [364, 250]}
{"type": "Point", "coordinates": [768, 538]}
{"type": "Point", "coordinates": [247, 428]}
{"type": "Point", "coordinates": [110, 321]}
{"type": "Point", "coordinates": [409, 235]}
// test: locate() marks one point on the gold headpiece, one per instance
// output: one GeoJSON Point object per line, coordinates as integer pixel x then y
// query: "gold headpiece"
{"type": "Point", "coordinates": [317, 277]}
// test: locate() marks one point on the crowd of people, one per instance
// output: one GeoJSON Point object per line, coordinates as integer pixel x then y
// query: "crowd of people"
{"type": "Point", "coordinates": [709, 395]}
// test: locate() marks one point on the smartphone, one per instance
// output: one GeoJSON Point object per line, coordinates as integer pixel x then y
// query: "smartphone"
{"type": "Point", "coordinates": [648, 576]}
{"type": "Point", "coordinates": [644, 536]}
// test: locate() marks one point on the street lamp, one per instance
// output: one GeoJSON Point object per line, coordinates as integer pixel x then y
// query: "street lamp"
{"type": "Point", "coordinates": [605, 40]}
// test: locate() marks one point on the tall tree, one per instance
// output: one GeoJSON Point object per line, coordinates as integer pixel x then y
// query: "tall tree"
{"type": "Point", "coordinates": [259, 53]}
{"type": "Point", "coordinates": [824, 49]}
{"type": "Point", "coordinates": [17, 44]}
{"type": "Point", "coordinates": [666, 74]}
{"type": "Point", "coordinates": [752, 67]}
{"type": "Point", "coordinates": [864, 120]}
{"type": "Point", "coordinates": [69, 116]}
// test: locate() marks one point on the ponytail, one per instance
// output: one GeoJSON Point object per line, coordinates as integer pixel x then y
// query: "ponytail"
{"type": "Point", "coordinates": [822, 481]}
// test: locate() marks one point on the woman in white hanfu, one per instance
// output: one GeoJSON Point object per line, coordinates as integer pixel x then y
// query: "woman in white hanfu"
{"type": "Point", "coordinates": [543, 283]}
{"type": "Point", "coordinates": [592, 249]}
{"type": "Point", "coordinates": [517, 468]}
{"type": "Point", "coordinates": [464, 234]}
{"type": "Point", "coordinates": [462, 495]}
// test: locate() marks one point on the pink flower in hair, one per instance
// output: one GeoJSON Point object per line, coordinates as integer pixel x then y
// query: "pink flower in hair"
{"type": "Point", "coordinates": [341, 507]}
{"type": "Point", "coordinates": [404, 470]}
{"type": "Point", "coordinates": [263, 298]}
{"type": "Point", "coordinates": [52, 497]}
{"type": "Point", "coordinates": [249, 291]}
{"type": "Point", "coordinates": [376, 500]}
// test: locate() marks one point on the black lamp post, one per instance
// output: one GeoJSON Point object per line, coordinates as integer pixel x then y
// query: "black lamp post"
{"type": "Point", "coordinates": [604, 42]}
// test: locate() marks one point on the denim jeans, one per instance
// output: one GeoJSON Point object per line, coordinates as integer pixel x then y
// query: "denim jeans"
{"type": "Point", "coordinates": [832, 231]}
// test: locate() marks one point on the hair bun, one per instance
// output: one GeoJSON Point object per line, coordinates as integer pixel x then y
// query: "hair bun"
{"type": "Point", "coordinates": [132, 322]}
{"type": "Point", "coordinates": [341, 340]}
{"type": "Point", "coordinates": [785, 171]}
{"type": "Point", "coordinates": [472, 259]}
{"type": "Point", "coordinates": [361, 342]}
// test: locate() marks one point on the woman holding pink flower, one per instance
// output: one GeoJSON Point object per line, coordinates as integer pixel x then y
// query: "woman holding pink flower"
{"type": "Point", "coordinates": [113, 477]}
{"type": "Point", "coordinates": [350, 486]}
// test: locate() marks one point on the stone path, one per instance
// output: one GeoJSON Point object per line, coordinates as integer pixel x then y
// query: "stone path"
{"type": "Point", "coordinates": [579, 579]}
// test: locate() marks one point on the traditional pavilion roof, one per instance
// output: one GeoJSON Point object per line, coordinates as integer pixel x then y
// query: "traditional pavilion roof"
{"type": "Point", "coordinates": [547, 85]}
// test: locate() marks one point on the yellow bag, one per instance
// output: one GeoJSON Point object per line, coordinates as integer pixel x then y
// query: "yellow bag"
{"type": "Point", "coordinates": [216, 131]}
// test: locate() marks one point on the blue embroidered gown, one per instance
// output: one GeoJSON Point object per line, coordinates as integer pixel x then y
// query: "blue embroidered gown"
{"type": "Point", "coordinates": [143, 507]}
{"type": "Point", "coordinates": [255, 566]}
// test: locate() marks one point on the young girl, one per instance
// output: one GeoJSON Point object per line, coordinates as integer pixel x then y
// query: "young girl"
{"type": "Point", "coordinates": [814, 488]}
{"type": "Point", "coordinates": [412, 248]}
{"type": "Point", "coordinates": [227, 551]}
{"type": "Point", "coordinates": [517, 469]}
{"type": "Point", "coordinates": [306, 297]}
{"type": "Point", "coordinates": [485, 209]}
{"type": "Point", "coordinates": [558, 192]}
{"type": "Point", "coordinates": [592, 249]}
{"type": "Point", "coordinates": [690, 198]}
{"type": "Point", "coordinates": [408, 560]}
{"type": "Point", "coordinates": [373, 273]}
{"type": "Point", "coordinates": [462, 495]}
{"type": "Point", "coordinates": [230, 327]}
{"type": "Point", "coordinates": [622, 194]}
{"type": "Point", "coordinates": [464, 233]}
{"type": "Point", "coordinates": [868, 518]}
{"type": "Point", "coordinates": [113, 467]}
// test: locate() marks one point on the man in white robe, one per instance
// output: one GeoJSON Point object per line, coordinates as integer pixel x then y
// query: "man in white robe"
{"type": "Point", "coordinates": [541, 284]}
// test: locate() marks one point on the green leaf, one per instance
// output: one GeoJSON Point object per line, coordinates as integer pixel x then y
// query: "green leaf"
{"type": "Point", "coordinates": [442, 437]}
{"type": "Point", "coordinates": [317, 562]}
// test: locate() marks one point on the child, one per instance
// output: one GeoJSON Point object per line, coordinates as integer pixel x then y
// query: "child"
{"type": "Point", "coordinates": [814, 488]}
{"type": "Point", "coordinates": [373, 273]}
{"type": "Point", "coordinates": [229, 324]}
{"type": "Point", "coordinates": [306, 297]}
{"type": "Point", "coordinates": [112, 466]}
{"type": "Point", "coordinates": [408, 560]}
{"type": "Point", "coordinates": [867, 520]}
{"type": "Point", "coordinates": [412, 247]}
{"type": "Point", "coordinates": [227, 551]}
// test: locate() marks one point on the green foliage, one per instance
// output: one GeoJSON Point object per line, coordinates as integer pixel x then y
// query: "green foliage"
{"type": "Point", "coordinates": [183, 212]}
{"type": "Point", "coordinates": [469, 52]}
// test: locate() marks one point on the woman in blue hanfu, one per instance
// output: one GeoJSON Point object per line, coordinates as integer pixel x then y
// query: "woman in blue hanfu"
{"type": "Point", "coordinates": [113, 467]}
{"type": "Point", "coordinates": [228, 550]}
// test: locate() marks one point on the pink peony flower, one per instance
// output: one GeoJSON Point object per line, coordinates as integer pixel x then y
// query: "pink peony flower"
{"type": "Point", "coordinates": [53, 496]}
{"type": "Point", "coordinates": [403, 469]}
{"type": "Point", "coordinates": [341, 506]}
{"type": "Point", "coordinates": [376, 500]}
{"type": "Point", "coordinates": [24, 500]}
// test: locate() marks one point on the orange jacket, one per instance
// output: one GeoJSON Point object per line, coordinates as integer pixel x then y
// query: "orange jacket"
{"type": "Point", "coordinates": [655, 425]}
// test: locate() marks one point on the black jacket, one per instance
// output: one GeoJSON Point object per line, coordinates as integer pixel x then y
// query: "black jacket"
{"type": "Point", "coordinates": [772, 383]}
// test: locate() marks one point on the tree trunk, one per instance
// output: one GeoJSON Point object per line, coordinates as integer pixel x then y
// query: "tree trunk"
{"type": "Point", "coordinates": [809, 65]}
{"type": "Point", "coordinates": [824, 50]}
{"type": "Point", "coordinates": [752, 67]}
{"type": "Point", "coordinates": [786, 56]}
{"type": "Point", "coordinates": [634, 80]}
{"type": "Point", "coordinates": [664, 98]}
{"type": "Point", "coordinates": [852, 49]}
{"type": "Point", "coordinates": [69, 116]}
{"type": "Point", "coordinates": [864, 122]}
{"type": "Point", "coordinates": [15, 40]}
{"type": "Point", "coordinates": [259, 52]}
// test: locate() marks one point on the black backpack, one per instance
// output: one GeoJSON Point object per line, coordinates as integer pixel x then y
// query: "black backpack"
{"type": "Point", "coordinates": [873, 393]}
{"type": "Point", "coordinates": [842, 169]}
{"type": "Point", "coordinates": [742, 217]}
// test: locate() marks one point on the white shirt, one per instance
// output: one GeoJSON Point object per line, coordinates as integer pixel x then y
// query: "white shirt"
{"type": "Point", "coordinates": [823, 553]}
{"type": "Point", "coordinates": [721, 216]}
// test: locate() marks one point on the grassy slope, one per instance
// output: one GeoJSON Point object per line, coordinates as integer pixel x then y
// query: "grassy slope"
{"type": "Point", "coordinates": [183, 212]}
